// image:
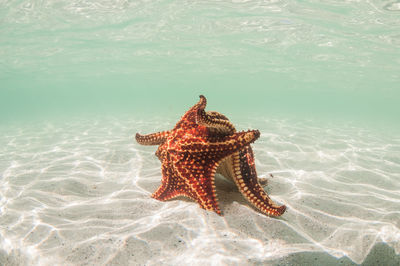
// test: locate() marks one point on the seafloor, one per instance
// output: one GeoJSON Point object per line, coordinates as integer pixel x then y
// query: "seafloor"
{"type": "Point", "coordinates": [78, 192]}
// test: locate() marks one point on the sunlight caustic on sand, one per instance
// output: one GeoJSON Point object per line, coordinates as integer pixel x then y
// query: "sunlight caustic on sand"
{"type": "Point", "coordinates": [79, 192]}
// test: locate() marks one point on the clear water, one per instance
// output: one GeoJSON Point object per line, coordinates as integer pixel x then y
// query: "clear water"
{"type": "Point", "coordinates": [319, 79]}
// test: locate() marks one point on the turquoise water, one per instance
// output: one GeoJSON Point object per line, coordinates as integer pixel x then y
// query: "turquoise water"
{"type": "Point", "coordinates": [319, 79]}
{"type": "Point", "coordinates": [333, 58]}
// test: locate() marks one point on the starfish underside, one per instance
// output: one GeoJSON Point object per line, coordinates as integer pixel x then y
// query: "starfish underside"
{"type": "Point", "coordinates": [200, 145]}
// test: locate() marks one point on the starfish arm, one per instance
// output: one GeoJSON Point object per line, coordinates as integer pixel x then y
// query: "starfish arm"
{"type": "Point", "coordinates": [200, 178]}
{"type": "Point", "coordinates": [152, 139]}
{"type": "Point", "coordinates": [172, 186]}
{"type": "Point", "coordinates": [189, 118]}
{"type": "Point", "coordinates": [216, 115]}
{"type": "Point", "coordinates": [219, 148]}
{"type": "Point", "coordinates": [245, 176]}
{"type": "Point", "coordinates": [188, 183]}
{"type": "Point", "coordinates": [215, 121]}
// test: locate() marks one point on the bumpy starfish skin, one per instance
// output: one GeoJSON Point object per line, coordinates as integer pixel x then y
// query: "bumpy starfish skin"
{"type": "Point", "coordinates": [240, 167]}
{"type": "Point", "coordinates": [201, 144]}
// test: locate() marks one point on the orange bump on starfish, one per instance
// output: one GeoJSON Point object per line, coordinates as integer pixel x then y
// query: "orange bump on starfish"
{"type": "Point", "coordinates": [200, 145]}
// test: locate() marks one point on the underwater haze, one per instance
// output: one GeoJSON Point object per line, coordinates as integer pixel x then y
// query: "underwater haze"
{"type": "Point", "coordinates": [338, 58]}
{"type": "Point", "coordinates": [319, 79]}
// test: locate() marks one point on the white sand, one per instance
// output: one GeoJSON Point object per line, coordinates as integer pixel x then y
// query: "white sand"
{"type": "Point", "coordinates": [78, 193]}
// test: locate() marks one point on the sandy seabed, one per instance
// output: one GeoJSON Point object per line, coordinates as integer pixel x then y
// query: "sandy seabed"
{"type": "Point", "coordinates": [78, 193]}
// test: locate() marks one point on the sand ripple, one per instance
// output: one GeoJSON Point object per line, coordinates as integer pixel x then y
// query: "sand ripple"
{"type": "Point", "coordinates": [79, 193]}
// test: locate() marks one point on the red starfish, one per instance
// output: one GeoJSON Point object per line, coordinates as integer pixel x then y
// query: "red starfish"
{"type": "Point", "coordinates": [201, 144]}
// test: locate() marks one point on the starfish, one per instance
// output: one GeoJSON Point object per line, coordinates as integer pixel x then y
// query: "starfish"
{"type": "Point", "coordinates": [200, 145]}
